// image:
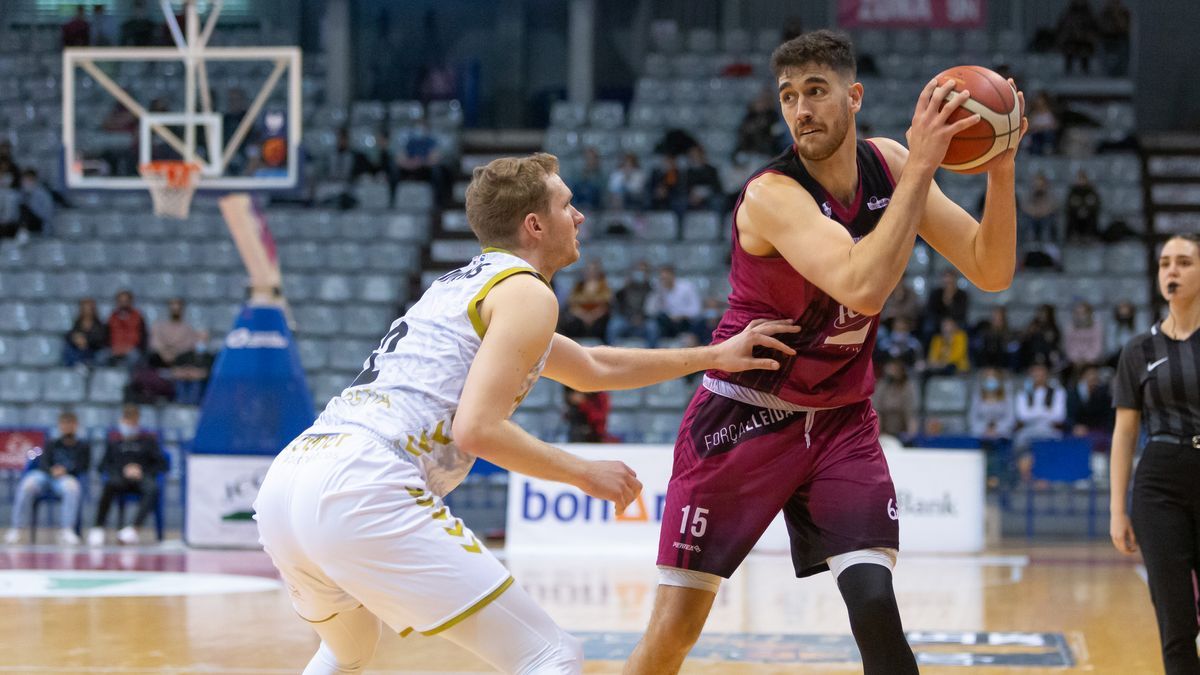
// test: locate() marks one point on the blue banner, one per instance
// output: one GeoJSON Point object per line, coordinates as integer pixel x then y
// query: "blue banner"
{"type": "Point", "coordinates": [257, 399]}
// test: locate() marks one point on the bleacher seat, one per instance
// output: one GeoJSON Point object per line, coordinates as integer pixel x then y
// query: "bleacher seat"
{"type": "Point", "coordinates": [367, 320]}
{"type": "Point", "coordinates": [669, 395]}
{"type": "Point", "coordinates": [314, 354]}
{"type": "Point", "coordinates": [107, 385]}
{"type": "Point", "coordinates": [15, 317]}
{"type": "Point", "coordinates": [20, 386]}
{"type": "Point", "coordinates": [947, 394]}
{"type": "Point", "coordinates": [39, 351]}
{"type": "Point", "coordinates": [380, 289]}
{"type": "Point", "coordinates": [182, 418]}
{"type": "Point", "coordinates": [317, 320]}
{"type": "Point", "coordinates": [334, 288]}
{"type": "Point", "coordinates": [8, 351]}
{"type": "Point", "coordinates": [414, 196]}
{"type": "Point", "coordinates": [627, 399]}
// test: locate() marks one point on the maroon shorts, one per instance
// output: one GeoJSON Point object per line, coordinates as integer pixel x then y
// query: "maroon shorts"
{"type": "Point", "coordinates": [738, 465]}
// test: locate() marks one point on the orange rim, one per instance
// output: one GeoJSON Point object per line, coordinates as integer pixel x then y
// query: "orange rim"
{"type": "Point", "coordinates": [177, 174]}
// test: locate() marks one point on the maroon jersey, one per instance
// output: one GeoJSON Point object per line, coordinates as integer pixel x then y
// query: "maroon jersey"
{"type": "Point", "coordinates": [832, 365]}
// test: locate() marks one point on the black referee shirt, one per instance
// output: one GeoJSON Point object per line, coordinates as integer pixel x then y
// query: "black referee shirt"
{"type": "Point", "coordinates": [1160, 377]}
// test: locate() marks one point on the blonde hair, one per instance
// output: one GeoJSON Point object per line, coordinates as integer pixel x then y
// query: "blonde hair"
{"type": "Point", "coordinates": [503, 192]}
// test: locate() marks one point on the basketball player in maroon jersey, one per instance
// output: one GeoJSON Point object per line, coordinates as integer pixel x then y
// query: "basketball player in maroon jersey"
{"type": "Point", "coordinates": [822, 235]}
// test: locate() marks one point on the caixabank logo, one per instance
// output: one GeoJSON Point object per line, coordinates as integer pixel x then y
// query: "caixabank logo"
{"type": "Point", "coordinates": [569, 505]}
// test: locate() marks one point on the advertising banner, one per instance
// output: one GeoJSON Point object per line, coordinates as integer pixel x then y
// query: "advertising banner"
{"type": "Point", "coordinates": [221, 491]}
{"type": "Point", "coordinates": [939, 501]}
{"type": "Point", "coordinates": [912, 13]}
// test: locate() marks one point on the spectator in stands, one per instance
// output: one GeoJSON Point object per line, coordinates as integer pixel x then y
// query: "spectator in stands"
{"type": "Point", "coordinates": [949, 301]}
{"type": "Point", "coordinates": [126, 331]}
{"type": "Point", "coordinates": [668, 189]}
{"type": "Point", "coordinates": [713, 308]}
{"type": "Point", "coordinates": [1083, 338]}
{"type": "Point", "coordinates": [59, 470]}
{"type": "Point", "coordinates": [1041, 208]}
{"type": "Point", "coordinates": [376, 159]}
{"type": "Point", "coordinates": [1114, 26]}
{"type": "Point", "coordinates": [628, 317]}
{"type": "Point", "coordinates": [420, 158]}
{"type": "Point", "coordinates": [1077, 34]}
{"type": "Point", "coordinates": [627, 184]}
{"type": "Point", "coordinates": [180, 348]}
{"type": "Point", "coordinates": [756, 133]}
{"type": "Point", "coordinates": [948, 350]}
{"type": "Point", "coordinates": [902, 302]}
{"type": "Point", "coordinates": [104, 27]}
{"type": "Point", "coordinates": [588, 305]}
{"type": "Point", "coordinates": [675, 305]}
{"type": "Point", "coordinates": [703, 182]}
{"type": "Point", "coordinates": [1041, 412]}
{"type": "Point", "coordinates": [993, 342]}
{"type": "Point", "coordinates": [587, 416]}
{"type": "Point", "coordinates": [338, 175]}
{"type": "Point", "coordinates": [587, 187]}
{"type": "Point", "coordinates": [992, 420]}
{"type": "Point", "coordinates": [10, 202]}
{"type": "Point", "coordinates": [1090, 411]}
{"type": "Point", "coordinates": [1123, 327]}
{"type": "Point", "coordinates": [77, 32]}
{"type": "Point", "coordinates": [1041, 343]}
{"type": "Point", "coordinates": [900, 343]}
{"type": "Point", "coordinates": [1083, 209]}
{"type": "Point", "coordinates": [36, 209]}
{"type": "Point", "coordinates": [895, 401]}
{"type": "Point", "coordinates": [1044, 126]}
{"type": "Point", "coordinates": [137, 31]}
{"type": "Point", "coordinates": [87, 340]}
{"type": "Point", "coordinates": [131, 464]}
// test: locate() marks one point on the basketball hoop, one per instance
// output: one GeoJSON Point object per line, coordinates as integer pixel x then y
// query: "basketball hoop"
{"type": "Point", "coordinates": [172, 184]}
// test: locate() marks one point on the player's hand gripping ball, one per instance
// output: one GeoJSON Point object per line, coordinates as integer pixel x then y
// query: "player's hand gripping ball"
{"type": "Point", "coordinates": [1001, 110]}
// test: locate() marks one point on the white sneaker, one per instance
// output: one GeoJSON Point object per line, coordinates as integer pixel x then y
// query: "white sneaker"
{"type": "Point", "coordinates": [67, 537]}
{"type": "Point", "coordinates": [127, 535]}
{"type": "Point", "coordinates": [96, 536]}
{"type": "Point", "coordinates": [13, 536]}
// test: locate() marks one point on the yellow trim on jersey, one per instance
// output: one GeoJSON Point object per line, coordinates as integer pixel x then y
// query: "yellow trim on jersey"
{"type": "Point", "coordinates": [497, 249]}
{"type": "Point", "coordinates": [473, 306]}
{"type": "Point", "coordinates": [466, 614]}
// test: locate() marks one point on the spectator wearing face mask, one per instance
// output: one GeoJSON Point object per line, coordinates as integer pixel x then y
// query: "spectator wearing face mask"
{"type": "Point", "coordinates": [895, 401]}
{"type": "Point", "coordinates": [131, 464]}
{"type": "Point", "coordinates": [629, 318]}
{"type": "Point", "coordinates": [992, 421]}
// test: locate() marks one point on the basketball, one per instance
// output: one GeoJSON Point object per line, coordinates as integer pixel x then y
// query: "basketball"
{"type": "Point", "coordinates": [976, 149]}
{"type": "Point", "coordinates": [274, 151]}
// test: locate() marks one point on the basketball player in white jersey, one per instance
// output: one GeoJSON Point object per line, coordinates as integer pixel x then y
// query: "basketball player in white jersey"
{"type": "Point", "coordinates": [351, 512]}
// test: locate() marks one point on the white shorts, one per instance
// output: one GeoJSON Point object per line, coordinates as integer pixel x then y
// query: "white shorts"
{"type": "Point", "coordinates": [348, 523]}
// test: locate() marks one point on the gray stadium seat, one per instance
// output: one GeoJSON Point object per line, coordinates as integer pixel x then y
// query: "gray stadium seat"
{"type": "Point", "coordinates": [181, 418]}
{"type": "Point", "coordinates": [63, 385]}
{"type": "Point", "coordinates": [606, 115]}
{"type": "Point", "coordinates": [659, 225]}
{"type": "Point", "coordinates": [568, 115]}
{"type": "Point", "coordinates": [314, 354]}
{"type": "Point", "coordinates": [349, 355]}
{"type": "Point", "coordinates": [41, 416]}
{"type": "Point", "coordinates": [701, 226]}
{"type": "Point", "coordinates": [372, 194]}
{"type": "Point", "coordinates": [8, 351]}
{"type": "Point", "coordinates": [32, 285]}
{"type": "Point", "coordinates": [296, 287]}
{"type": "Point", "coordinates": [327, 386]}
{"type": "Point", "coordinates": [627, 399]}
{"type": "Point", "coordinates": [20, 386]}
{"type": "Point", "coordinates": [15, 317]}
{"type": "Point", "coordinates": [317, 320]}
{"type": "Point", "coordinates": [344, 256]}
{"type": "Point", "coordinates": [671, 395]}
{"type": "Point", "coordinates": [380, 289]}
{"type": "Point", "coordinates": [107, 385]}
{"type": "Point", "coordinates": [334, 288]}
{"type": "Point", "coordinates": [10, 416]}
{"type": "Point", "coordinates": [366, 320]}
{"type": "Point", "coordinates": [414, 196]}
{"type": "Point", "coordinates": [661, 427]}
{"type": "Point", "coordinates": [39, 351]}
{"type": "Point", "coordinates": [947, 394]}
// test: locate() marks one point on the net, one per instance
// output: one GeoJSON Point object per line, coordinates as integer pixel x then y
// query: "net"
{"type": "Point", "coordinates": [172, 184]}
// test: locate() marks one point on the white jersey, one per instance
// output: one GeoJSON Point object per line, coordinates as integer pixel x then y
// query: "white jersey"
{"type": "Point", "coordinates": [411, 384]}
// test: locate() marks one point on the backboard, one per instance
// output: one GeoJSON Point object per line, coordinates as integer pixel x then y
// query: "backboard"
{"type": "Point", "coordinates": [234, 110]}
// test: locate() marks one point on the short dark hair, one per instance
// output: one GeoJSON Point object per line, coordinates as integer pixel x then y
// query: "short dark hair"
{"type": "Point", "coordinates": [824, 47]}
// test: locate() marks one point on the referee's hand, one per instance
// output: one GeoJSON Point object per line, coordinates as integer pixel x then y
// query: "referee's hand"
{"type": "Point", "coordinates": [1121, 531]}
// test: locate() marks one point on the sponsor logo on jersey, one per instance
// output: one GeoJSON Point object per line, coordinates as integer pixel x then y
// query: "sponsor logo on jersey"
{"type": "Point", "coordinates": [876, 203]}
{"type": "Point", "coordinates": [1151, 366]}
{"type": "Point", "coordinates": [244, 338]}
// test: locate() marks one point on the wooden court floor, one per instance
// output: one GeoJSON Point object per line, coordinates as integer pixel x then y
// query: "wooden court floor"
{"type": "Point", "coordinates": [81, 611]}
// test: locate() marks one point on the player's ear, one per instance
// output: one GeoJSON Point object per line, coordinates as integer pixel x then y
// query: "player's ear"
{"type": "Point", "coordinates": [856, 96]}
{"type": "Point", "coordinates": [532, 225]}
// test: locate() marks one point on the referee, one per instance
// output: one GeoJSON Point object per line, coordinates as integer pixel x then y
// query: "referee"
{"type": "Point", "coordinates": [1158, 384]}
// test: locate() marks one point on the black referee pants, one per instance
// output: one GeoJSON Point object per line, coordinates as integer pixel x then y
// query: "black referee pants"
{"type": "Point", "coordinates": [1166, 521]}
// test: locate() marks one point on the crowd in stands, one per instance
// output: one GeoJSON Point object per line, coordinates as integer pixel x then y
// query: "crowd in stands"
{"type": "Point", "coordinates": [26, 203]}
{"type": "Point", "coordinates": [168, 361]}
{"type": "Point", "coordinates": [132, 464]}
{"type": "Point", "coordinates": [102, 30]}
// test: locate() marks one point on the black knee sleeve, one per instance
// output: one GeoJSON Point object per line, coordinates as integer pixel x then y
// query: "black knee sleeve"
{"type": "Point", "coordinates": [875, 620]}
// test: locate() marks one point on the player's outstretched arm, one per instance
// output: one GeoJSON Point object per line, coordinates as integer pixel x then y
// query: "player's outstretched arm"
{"type": "Point", "coordinates": [520, 314]}
{"type": "Point", "coordinates": [984, 251]}
{"type": "Point", "coordinates": [608, 368]}
{"type": "Point", "coordinates": [859, 275]}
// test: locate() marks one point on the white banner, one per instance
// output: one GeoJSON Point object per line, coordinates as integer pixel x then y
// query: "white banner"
{"type": "Point", "coordinates": [220, 497]}
{"type": "Point", "coordinates": [939, 494]}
